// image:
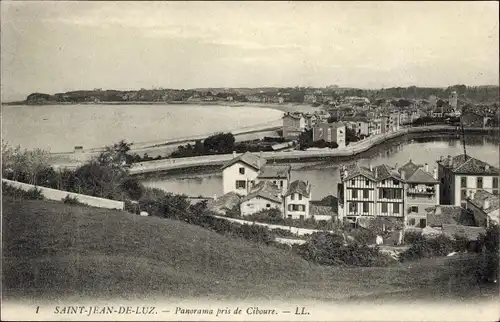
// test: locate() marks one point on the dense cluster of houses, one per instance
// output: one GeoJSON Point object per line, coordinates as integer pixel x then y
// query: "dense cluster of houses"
{"type": "Point", "coordinates": [458, 195]}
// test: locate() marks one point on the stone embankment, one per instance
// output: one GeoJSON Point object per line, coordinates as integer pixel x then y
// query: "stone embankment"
{"type": "Point", "coordinates": [353, 149]}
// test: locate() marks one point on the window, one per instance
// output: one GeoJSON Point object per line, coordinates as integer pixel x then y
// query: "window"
{"type": "Point", "coordinates": [292, 196]}
{"type": "Point", "coordinates": [395, 182]}
{"type": "Point", "coordinates": [495, 183]}
{"type": "Point", "coordinates": [366, 193]}
{"type": "Point", "coordinates": [365, 207]}
{"type": "Point", "coordinates": [367, 182]}
{"type": "Point", "coordinates": [354, 193]}
{"type": "Point", "coordinates": [479, 182]}
{"type": "Point", "coordinates": [384, 207]}
{"type": "Point", "coordinates": [411, 222]}
{"type": "Point", "coordinates": [353, 207]}
{"type": "Point", "coordinates": [242, 170]}
{"type": "Point", "coordinates": [268, 205]}
{"type": "Point", "coordinates": [353, 182]}
{"type": "Point", "coordinates": [414, 209]}
{"type": "Point", "coordinates": [240, 184]}
{"type": "Point", "coordinates": [289, 216]}
{"type": "Point", "coordinates": [463, 194]}
{"type": "Point", "coordinates": [463, 182]}
{"type": "Point", "coordinates": [300, 196]}
{"type": "Point", "coordinates": [274, 181]}
{"type": "Point", "coordinates": [281, 183]}
{"type": "Point", "coordinates": [395, 208]}
{"type": "Point", "coordinates": [423, 223]}
{"type": "Point", "coordinates": [295, 207]}
{"type": "Point", "coordinates": [383, 182]}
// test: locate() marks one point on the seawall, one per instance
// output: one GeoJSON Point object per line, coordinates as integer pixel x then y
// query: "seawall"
{"type": "Point", "coordinates": [351, 150]}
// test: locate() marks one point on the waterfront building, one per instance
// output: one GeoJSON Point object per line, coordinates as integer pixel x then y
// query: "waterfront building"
{"type": "Point", "coordinates": [293, 125]}
{"type": "Point", "coordinates": [390, 122]}
{"type": "Point", "coordinates": [311, 120]}
{"type": "Point", "coordinates": [240, 173]}
{"type": "Point", "coordinates": [280, 175]}
{"type": "Point", "coordinates": [360, 125]}
{"type": "Point", "coordinates": [462, 175]}
{"type": "Point", "coordinates": [484, 206]}
{"type": "Point", "coordinates": [330, 132]}
{"type": "Point", "coordinates": [297, 200]}
{"type": "Point", "coordinates": [371, 192]}
{"type": "Point", "coordinates": [421, 189]}
{"type": "Point", "coordinates": [264, 195]}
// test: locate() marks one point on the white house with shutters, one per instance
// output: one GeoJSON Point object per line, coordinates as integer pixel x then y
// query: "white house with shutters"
{"type": "Point", "coordinates": [240, 173]}
{"type": "Point", "coordinates": [297, 200]}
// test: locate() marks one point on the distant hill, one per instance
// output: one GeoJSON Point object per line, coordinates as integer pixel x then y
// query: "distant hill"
{"type": "Point", "coordinates": [475, 94]}
{"type": "Point", "coordinates": [59, 251]}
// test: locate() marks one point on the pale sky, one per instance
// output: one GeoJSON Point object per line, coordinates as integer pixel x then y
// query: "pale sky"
{"type": "Point", "coordinates": [54, 47]}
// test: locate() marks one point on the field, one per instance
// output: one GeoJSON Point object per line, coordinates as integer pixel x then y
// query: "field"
{"type": "Point", "coordinates": [62, 251]}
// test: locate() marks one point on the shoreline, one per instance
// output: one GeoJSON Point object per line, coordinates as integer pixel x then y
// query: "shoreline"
{"type": "Point", "coordinates": [276, 106]}
{"type": "Point", "coordinates": [183, 165]}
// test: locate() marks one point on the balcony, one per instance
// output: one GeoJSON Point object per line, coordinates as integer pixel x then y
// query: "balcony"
{"type": "Point", "coordinates": [422, 191]}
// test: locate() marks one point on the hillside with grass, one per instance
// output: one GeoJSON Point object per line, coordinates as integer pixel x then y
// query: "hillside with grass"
{"type": "Point", "coordinates": [61, 251]}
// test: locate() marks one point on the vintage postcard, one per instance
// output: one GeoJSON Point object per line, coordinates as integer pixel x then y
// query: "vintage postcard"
{"type": "Point", "coordinates": [250, 161]}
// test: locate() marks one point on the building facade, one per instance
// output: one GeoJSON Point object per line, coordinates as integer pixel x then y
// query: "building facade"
{"type": "Point", "coordinates": [262, 196]}
{"type": "Point", "coordinates": [330, 132]}
{"type": "Point", "coordinates": [421, 191]}
{"type": "Point", "coordinates": [462, 175]}
{"type": "Point", "coordinates": [279, 175]}
{"type": "Point", "coordinates": [371, 192]}
{"type": "Point", "coordinates": [297, 200]}
{"type": "Point", "coordinates": [293, 125]}
{"type": "Point", "coordinates": [240, 173]}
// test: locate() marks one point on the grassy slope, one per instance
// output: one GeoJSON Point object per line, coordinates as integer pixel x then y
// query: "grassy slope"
{"type": "Point", "coordinates": [68, 251]}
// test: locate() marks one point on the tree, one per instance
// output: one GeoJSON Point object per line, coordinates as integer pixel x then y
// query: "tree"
{"type": "Point", "coordinates": [305, 139]}
{"type": "Point", "coordinates": [116, 155]}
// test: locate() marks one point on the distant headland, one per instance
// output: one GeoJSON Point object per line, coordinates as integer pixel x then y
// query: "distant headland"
{"type": "Point", "coordinates": [478, 94]}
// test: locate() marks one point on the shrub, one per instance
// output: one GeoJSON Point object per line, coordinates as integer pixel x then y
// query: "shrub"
{"type": "Point", "coordinates": [71, 200]}
{"type": "Point", "coordinates": [363, 236]}
{"type": "Point", "coordinates": [31, 194]}
{"type": "Point", "coordinates": [329, 249]}
{"type": "Point", "coordinates": [424, 247]}
{"type": "Point", "coordinates": [488, 266]}
{"type": "Point", "coordinates": [282, 233]}
{"type": "Point", "coordinates": [411, 236]}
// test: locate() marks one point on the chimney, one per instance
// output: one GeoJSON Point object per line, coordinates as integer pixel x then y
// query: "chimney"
{"type": "Point", "coordinates": [435, 173]}
{"type": "Point", "coordinates": [234, 154]}
{"type": "Point", "coordinates": [426, 167]}
{"type": "Point", "coordinates": [438, 210]}
{"type": "Point", "coordinates": [487, 167]}
{"type": "Point", "coordinates": [486, 204]}
{"type": "Point", "coordinates": [375, 173]}
{"type": "Point", "coordinates": [215, 196]}
{"type": "Point", "coordinates": [403, 175]}
{"type": "Point", "coordinates": [449, 160]}
{"type": "Point", "coordinates": [370, 167]}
